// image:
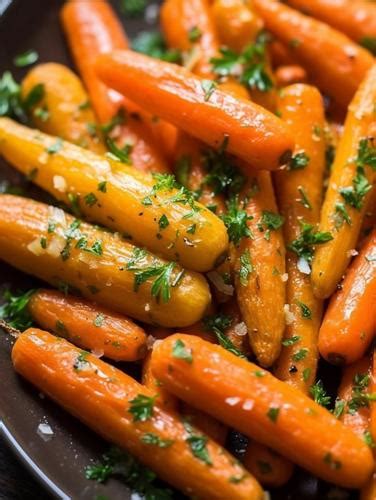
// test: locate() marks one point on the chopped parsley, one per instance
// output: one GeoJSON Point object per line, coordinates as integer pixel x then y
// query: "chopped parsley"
{"type": "Point", "coordinates": [153, 439]}
{"type": "Point", "coordinates": [99, 320]}
{"type": "Point", "coordinates": [333, 464]}
{"type": "Point", "coordinates": [303, 245]}
{"type": "Point", "coordinates": [141, 407]}
{"type": "Point", "coordinates": [273, 413]}
{"type": "Point", "coordinates": [236, 221]}
{"type": "Point", "coordinates": [218, 324]}
{"type": "Point", "coordinates": [118, 119]}
{"type": "Point", "coordinates": [246, 267]}
{"type": "Point", "coordinates": [55, 147]}
{"type": "Point", "coordinates": [26, 59]}
{"type": "Point", "coordinates": [359, 396]}
{"type": "Point", "coordinates": [249, 67]}
{"type": "Point", "coordinates": [179, 351]}
{"type": "Point", "coordinates": [11, 102]}
{"type": "Point", "coordinates": [270, 221]}
{"type": "Point", "coordinates": [368, 439]}
{"type": "Point", "coordinates": [152, 44]}
{"type": "Point", "coordinates": [304, 198]}
{"type": "Point", "coordinates": [197, 444]}
{"type": "Point", "coordinates": [305, 311]}
{"type": "Point", "coordinates": [194, 34]}
{"type": "Point", "coordinates": [339, 408]}
{"type": "Point", "coordinates": [163, 222]}
{"type": "Point", "coordinates": [298, 161]}
{"type": "Point", "coordinates": [90, 199]}
{"type": "Point", "coordinates": [369, 43]}
{"type": "Point", "coordinates": [81, 362]}
{"type": "Point", "coordinates": [102, 186]}
{"type": "Point", "coordinates": [299, 355]}
{"type": "Point", "coordinates": [133, 8]}
{"type": "Point", "coordinates": [120, 154]}
{"type": "Point", "coordinates": [319, 394]}
{"type": "Point", "coordinates": [15, 309]}
{"type": "Point", "coordinates": [341, 215]}
{"type": "Point", "coordinates": [290, 341]}
{"type": "Point", "coordinates": [120, 464]}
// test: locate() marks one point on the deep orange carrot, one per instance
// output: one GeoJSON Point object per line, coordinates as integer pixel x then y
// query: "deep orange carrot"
{"type": "Point", "coordinates": [123, 411]}
{"type": "Point", "coordinates": [287, 75]}
{"type": "Point", "coordinates": [89, 326]}
{"type": "Point", "coordinates": [92, 28]}
{"type": "Point", "coordinates": [356, 18]}
{"type": "Point", "coordinates": [345, 64]}
{"type": "Point", "coordinates": [198, 108]}
{"type": "Point", "coordinates": [368, 492]}
{"type": "Point", "coordinates": [165, 399]}
{"type": "Point", "coordinates": [262, 407]}
{"type": "Point", "coordinates": [350, 321]}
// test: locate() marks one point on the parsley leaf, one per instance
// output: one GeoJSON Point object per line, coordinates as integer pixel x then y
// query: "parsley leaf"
{"type": "Point", "coordinates": [236, 221]}
{"type": "Point", "coordinates": [151, 438]}
{"type": "Point", "coordinates": [319, 394]}
{"type": "Point", "coordinates": [298, 161]}
{"type": "Point", "coordinates": [304, 310]}
{"type": "Point", "coordinates": [15, 309]}
{"type": "Point", "coordinates": [303, 245]}
{"type": "Point", "coordinates": [218, 324]}
{"type": "Point", "coordinates": [291, 341]}
{"type": "Point", "coordinates": [246, 267]}
{"type": "Point", "coordinates": [181, 352]}
{"type": "Point", "coordinates": [152, 44]}
{"type": "Point", "coordinates": [141, 407]}
{"type": "Point", "coordinates": [194, 34]}
{"type": "Point", "coordinates": [299, 355]}
{"type": "Point", "coordinates": [197, 443]}
{"type": "Point", "coordinates": [133, 8]}
{"type": "Point", "coordinates": [208, 86]}
{"type": "Point", "coordinates": [273, 413]}
{"type": "Point", "coordinates": [120, 154]}
{"type": "Point", "coordinates": [26, 59]}
{"type": "Point", "coordinates": [369, 43]}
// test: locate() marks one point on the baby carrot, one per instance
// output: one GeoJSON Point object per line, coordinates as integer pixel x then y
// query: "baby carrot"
{"type": "Point", "coordinates": [267, 466]}
{"type": "Point", "coordinates": [345, 64]}
{"type": "Point", "coordinates": [63, 110]}
{"type": "Point", "coordinates": [126, 413]}
{"type": "Point", "coordinates": [72, 255]}
{"type": "Point", "coordinates": [187, 25]}
{"type": "Point", "coordinates": [198, 108]}
{"type": "Point", "coordinates": [299, 189]}
{"type": "Point", "coordinates": [368, 492]}
{"type": "Point", "coordinates": [355, 18]}
{"type": "Point", "coordinates": [352, 406]}
{"type": "Point", "coordinates": [92, 28]}
{"type": "Point", "coordinates": [88, 326]}
{"type": "Point", "coordinates": [258, 260]}
{"type": "Point", "coordinates": [349, 189]}
{"type": "Point", "coordinates": [166, 400]}
{"type": "Point", "coordinates": [349, 324]}
{"type": "Point", "coordinates": [154, 212]}
{"type": "Point", "coordinates": [254, 402]}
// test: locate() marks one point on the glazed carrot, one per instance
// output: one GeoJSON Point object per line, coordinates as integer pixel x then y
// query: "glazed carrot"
{"type": "Point", "coordinates": [236, 19]}
{"type": "Point", "coordinates": [356, 418]}
{"type": "Point", "coordinates": [259, 266]}
{"type": "Point", "coordinates": [166, 400]}
{"type": "Point", "coordinates": [126, 413]}
{"type": "Point", "coordinates": [92, 28]}
{"type": "Point", "coordinates": [287, 75]}
{"type": "Point", "coordinates": [349, 324]}
{"type": "Point", "coordinates": [88, 326]}
{"type": "Point", "coordinates": [198, 108]}
{"type": "Point", "coordinates": [267, 466]}
{"type": "Point", "coordinates": [153, 212]}
{"type": "Point", "coordinates": [236, 23]}
{"type": "Point", "coordinates": [63, 110]}
{"type": "Point", "coordinates": [345, 64]}
{"type": "Point", "coordinates": [356, 18]}
{"type": "Point", "coordinates": [349, 189]}
{"type": "Point", "coordinates": [262, 407]}
{"type": "Point", "coordinates": [369, 221]}
{"type": "Point", "coordinates": [368, 492]}
{"type": "Point", "coordinates": [72, 255]}
{"type": "Point", "coordinates": [281, 55]}
{"type": "Point", "coordinates": [188, 26]}
{"type": "Point", "coordinates": [299, 193]}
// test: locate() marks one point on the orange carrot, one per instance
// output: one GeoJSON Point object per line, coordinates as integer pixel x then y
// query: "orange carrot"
{"type": "Point", "coordinates": [165, 399]}
{"type": "Point", "coordinates": [281, 54]}
{"type": "Point", "coordinates": [345, 64]}
{"type": "Point", "coordinates": [299, 193]}
{"type": "Point", "coordinates": [287, 75]}
{"type": "Point", "coordinates": [368, 492]}
{"type": "Point", "coordinates": [267, 466]}
{"type": "Point", "coordinates": [264, 408]}
{"type": "Point", "coordinates": [356, 18]}
{"type": "Point", "coordinates": [92, 28]}
{"type": "Point", "coordinates": [89, 326]}
{"type": "Point", "coordinates": [357, 419]}
{"type": "Point", "coordinates": [198, 108]}
{"type": "Point", "coordinates": [350, 322]}
{"type": "Point", "coordinates": [123, 411]}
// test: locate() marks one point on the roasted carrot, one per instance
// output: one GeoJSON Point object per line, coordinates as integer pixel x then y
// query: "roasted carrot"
{"type": "Point", "coordinates": [345, 64]}
{"type": "Point", "coordinates": [236, 23]}
{"type": "Point", "coordinates": [166, 400]}
{"type": "Point", "coordinates": [64, 110]}
{"type": "Point", "coordinates": [287, 75]}
{"type": "Point", "coordinates": [299, 193]}
{"type": "Point", "coordinates": [259, 266]}
{"type": "Point", "coordinates": [92, 28]}
{"type": "Point", "coordinates": [198, 108]}
{"type": "Point", "coordinates": [281, 54]}
{"type": "Point", "coordinates": [349, 324]}
{"type": "Point", "coordinates": [54, 246]}
{"type": "Point", "coordinates": [355, 384]}
{"type": "Point", "coordinates": [89, 326]}
{"type": "Point", "coordinates": [267, 466]}
{"type": "Point", "coordinates": [349, 189]}
{"type": "Point", "coordinates": [368, 492]}
{"type": "Point", "coordinates": [188, 26]}
{"type": "Point", "coordinates": [123, 411]}
{"type": "Point", "coordinates": [254, 402]}
{"type": "Point", "coordinates": [356, 18]}
{"type": "Point", "coordinates": [153, 212]}
{"type": "Point", "coordinates": [237, 19]}
{"type": "Point", "coordinates": [369, 221]}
